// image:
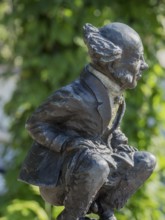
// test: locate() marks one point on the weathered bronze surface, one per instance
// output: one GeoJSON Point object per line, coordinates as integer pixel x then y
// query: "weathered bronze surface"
{"type": "Point", "coordinates": [80, 158]}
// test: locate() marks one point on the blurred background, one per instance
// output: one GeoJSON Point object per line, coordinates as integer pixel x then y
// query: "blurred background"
{"type": "Point", "coordinates": [41, 49]}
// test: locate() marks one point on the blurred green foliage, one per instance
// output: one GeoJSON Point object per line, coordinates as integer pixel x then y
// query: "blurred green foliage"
{"type": "Point", "coordinates": [43, 40]}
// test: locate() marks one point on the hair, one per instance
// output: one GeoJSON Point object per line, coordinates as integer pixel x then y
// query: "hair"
{"type": "Point", "coordinates": [123, 76]}
{"type": "Point", "coordinates": [100, 49]}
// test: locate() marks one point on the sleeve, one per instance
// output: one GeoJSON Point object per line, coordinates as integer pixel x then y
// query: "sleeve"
{"type": "Point", "coordinates": [44, 126]}
{"type": "Point", "coordinates": [118, 138]}
{"type": "Point", "coordinates": [119, 142]}
{"type": "Point", "coordinates": [114, 138]}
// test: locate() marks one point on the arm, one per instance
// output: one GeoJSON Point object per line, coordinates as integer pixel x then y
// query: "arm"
{"type": "Point", "coordinates": [119, 142]}
{"type": "Point", "coordinates": [44, 126]}
{"type": "Point", "coordinates": [114, 138]}
{"type": "Point", "coordinates": [118, 137]}
{"type": "Point", "coordinates": [47, 134]}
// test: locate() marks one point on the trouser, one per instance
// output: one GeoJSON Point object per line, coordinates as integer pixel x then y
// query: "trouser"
{"type": "Point", "coordinates": [80, 185]}
{"type": "Point", "coordinates": [122, 184]}
{"type": "Point", "coordinates": [92, 180]}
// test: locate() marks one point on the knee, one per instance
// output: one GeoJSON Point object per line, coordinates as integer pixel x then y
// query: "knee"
{"type": "Point", "coordinates": [102, 168]}
{"type": "Point", "coordinates": [145, 160]}
{"type": "Point", "coordinates": [95, 167]}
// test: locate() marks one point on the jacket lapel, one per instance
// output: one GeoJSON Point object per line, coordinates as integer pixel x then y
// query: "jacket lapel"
{"type": "Point", "coordinates": [100, 92]}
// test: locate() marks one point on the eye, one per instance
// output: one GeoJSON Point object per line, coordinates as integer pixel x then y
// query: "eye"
{"type": "Point", "coordinates": [135, 60]}
{"type": "Point", "coordinates": [136, 57]}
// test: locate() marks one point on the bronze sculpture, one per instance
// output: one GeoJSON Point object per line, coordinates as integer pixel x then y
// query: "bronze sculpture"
{"type": "Point", "coordinates": [80, 158]}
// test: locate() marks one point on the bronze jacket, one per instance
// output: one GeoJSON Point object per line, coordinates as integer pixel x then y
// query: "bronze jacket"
{"type": "Point", "coordinates": [80, 109]}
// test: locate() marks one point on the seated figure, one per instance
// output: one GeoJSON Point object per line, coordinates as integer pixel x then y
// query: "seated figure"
{"type": "Point", "coordinates": [80, 159]}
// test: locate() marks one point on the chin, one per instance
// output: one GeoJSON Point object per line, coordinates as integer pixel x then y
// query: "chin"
{"type": "Point", "coordinates": [126, 79]}
{"type": "Point", "coordinates": [132, 86]}
{"type": "Point", "coordinates": [129, 85]}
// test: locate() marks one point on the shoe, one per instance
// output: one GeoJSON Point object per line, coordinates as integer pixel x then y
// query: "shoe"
{"type": "Point", "coordinates": [112, 217]}
{"type": "Point", "coordinates": [108, 216]}
{"type": "Point", "coordinates": [86, 218]}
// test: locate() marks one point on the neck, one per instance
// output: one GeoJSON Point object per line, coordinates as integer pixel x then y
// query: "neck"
{"type": "Point", "coordinates": [110, 85]}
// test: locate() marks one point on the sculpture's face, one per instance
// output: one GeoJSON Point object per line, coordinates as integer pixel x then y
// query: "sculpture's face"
{"type": "Point", "coordinates": [116, 50]}
{"type": "Point", "coordinates": [128, 69]}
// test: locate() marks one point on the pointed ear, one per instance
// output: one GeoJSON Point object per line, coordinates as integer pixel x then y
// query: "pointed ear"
{"type": "Point", "coordinates": [100, 49]}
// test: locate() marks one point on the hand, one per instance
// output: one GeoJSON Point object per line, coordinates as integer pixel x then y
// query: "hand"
{"type": "Point", "coordinates": [125, 148]}
{"type": "Point", "coordinates": [118, 138]}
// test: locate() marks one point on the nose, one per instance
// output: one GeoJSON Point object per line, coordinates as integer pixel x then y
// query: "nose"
{"type": "Point", "coordinates": [144, 66]}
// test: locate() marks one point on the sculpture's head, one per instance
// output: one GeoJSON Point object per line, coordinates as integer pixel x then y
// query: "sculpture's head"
{"type": "Point", "coordinates": [116, 50]}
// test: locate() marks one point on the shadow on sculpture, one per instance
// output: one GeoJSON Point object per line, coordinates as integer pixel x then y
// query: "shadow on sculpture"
{"type": "Point", "coordinates": [80, 158]}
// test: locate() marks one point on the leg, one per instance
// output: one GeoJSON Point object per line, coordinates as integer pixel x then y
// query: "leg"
{"type": "Point", "coordinates": [104, 210]}
{"type": "Point", "coordinates": [115, 197]}
{"type": "Point", "coordinates": [55, 196]}
{"type": "Point", "coordinates": [88, 177]}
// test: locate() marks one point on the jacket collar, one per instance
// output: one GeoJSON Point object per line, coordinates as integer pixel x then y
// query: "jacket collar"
{"type": "Point", "coordinates": [113, 88]}
{"type": "Point", "coordinates": [101, 95]}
